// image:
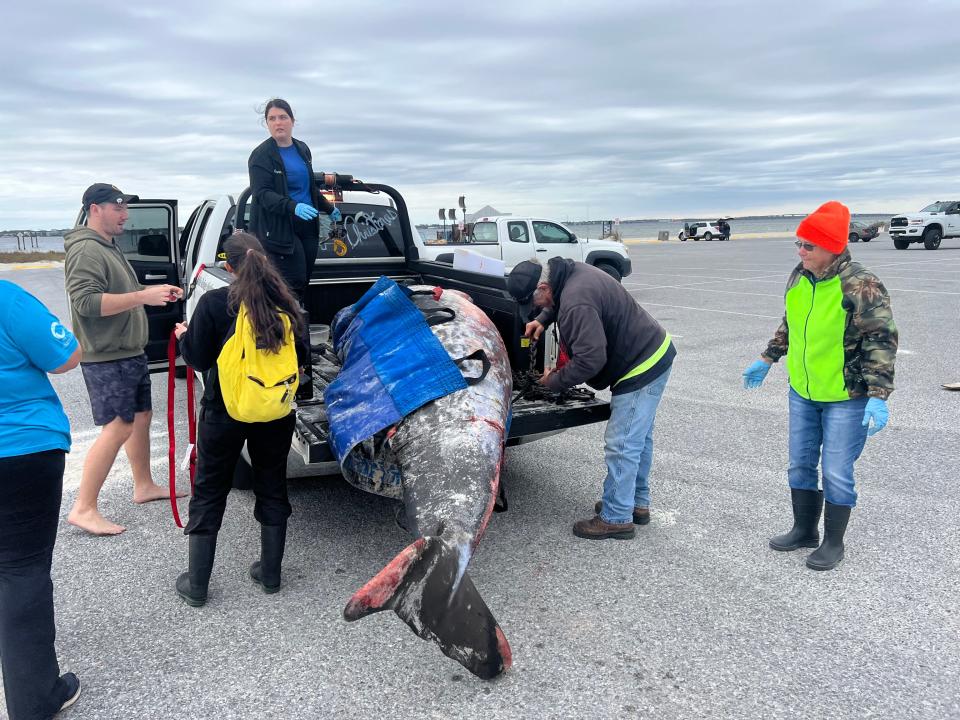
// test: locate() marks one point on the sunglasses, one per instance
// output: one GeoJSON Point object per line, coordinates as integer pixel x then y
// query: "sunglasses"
{"type": "Point", "coordinates": [809, 247]}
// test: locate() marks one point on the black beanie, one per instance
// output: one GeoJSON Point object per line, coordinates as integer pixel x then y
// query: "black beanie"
{"type": "Point", "coordinates": [523, 280]}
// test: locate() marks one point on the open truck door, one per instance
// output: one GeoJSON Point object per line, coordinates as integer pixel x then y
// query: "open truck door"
{"type": "Point", "coordinates": [150, 243]}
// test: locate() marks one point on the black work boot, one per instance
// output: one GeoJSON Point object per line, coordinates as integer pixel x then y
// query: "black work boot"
{"type": "Point", "coordinates": [266, 571]}
{"type": "Point", "coordinates": [830, 553]}
{"type": "Point", "coordinates": [807, 505]}
{"type": "Point", "coordinates": [192, 585]}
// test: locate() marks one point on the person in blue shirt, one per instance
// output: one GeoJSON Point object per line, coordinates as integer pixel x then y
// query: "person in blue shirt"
{"type": "Point", "coordinates": [286, 200]}
{"type": "Point", "coordinates": [34, 439]}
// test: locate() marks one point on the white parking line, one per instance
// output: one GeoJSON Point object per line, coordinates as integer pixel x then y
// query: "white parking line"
{"type": "Point", "coordinates": [710, 290]}
{"type": "Point", "coordinates": [759, 278]}
{"type": "Point", "coordinates": [695, 286]}
{"type": "Point", "coordinates": [121, 467]}
{"type": "Point", "coordinates": [713, 310]}
{"type": "Point", "coordinates": [926, 292]}
{"type": "Point", "coordinates": [921, 279]}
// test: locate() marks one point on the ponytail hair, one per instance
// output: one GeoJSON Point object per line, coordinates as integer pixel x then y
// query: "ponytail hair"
{"type": "Point", "coordinates": [264, 292]}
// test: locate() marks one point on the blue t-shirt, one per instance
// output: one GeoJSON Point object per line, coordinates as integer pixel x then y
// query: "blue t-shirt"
{"type": "Point", "coordinates": [32, 343]}
{"type": "Point", "coordinates": [298, 178]}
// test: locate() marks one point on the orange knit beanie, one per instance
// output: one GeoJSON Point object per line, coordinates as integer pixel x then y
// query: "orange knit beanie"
{"type": "Point", "coordinates": [828, 226]}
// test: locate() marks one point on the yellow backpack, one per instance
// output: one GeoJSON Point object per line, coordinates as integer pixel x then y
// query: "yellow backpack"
{"type": "Point", "coordinates": [257, 385]}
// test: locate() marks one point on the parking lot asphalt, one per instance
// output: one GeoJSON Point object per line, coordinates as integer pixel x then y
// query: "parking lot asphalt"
{"type": "Point", "coordinates": [694, 618]}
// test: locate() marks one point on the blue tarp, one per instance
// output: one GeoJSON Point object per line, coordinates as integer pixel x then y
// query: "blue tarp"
{"type": "Point", "coordinates": [392, 365]}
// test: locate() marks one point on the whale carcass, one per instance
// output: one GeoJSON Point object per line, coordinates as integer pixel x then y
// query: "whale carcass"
{"type": "Point", "coordinates": [442, 459]}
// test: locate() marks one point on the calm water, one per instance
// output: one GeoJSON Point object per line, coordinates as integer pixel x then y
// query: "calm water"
{"type": "Point", "coordinates": [8, 243]}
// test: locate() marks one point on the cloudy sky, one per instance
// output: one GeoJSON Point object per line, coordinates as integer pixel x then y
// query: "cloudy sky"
{"type": "Point", "coordinates": [565, 109]}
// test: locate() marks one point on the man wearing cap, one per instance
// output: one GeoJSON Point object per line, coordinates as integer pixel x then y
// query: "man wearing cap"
{"type": "Point", "coordinates": [841, 343]}
{"type": "Point", "coordinates": [107, 308]}
{"type": "Point", "coordinates": [611, 342]}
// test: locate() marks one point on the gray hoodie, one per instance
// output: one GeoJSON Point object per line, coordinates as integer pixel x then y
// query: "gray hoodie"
{"type": "Point", "coordinates": [93, 267]}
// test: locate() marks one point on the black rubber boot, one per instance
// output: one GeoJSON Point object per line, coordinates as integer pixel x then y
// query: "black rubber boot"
{"type": "Point", "coordinates": [266, 571]}
{"type": "Point", "coordinates": [807, 505]}
{"type": "Point", "coordinates": [830, 553]}
{"type": "Point", "coordinates": [192, 585]}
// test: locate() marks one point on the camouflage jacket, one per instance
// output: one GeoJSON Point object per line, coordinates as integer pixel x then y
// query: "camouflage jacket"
{"type": "Point", "coordinates": [870, 337]}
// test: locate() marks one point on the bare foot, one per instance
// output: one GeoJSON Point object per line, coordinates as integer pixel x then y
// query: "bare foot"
{"type": "Point", "coordinates": [93, 522]}
{"type": "Point", "coordinates": [154, 492]}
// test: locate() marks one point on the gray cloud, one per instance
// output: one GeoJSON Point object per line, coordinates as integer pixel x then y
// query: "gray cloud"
{"type": "Point", "coordinates": [559, 108]}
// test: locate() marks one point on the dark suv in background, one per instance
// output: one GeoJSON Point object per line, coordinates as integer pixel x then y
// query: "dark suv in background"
{"type": "Point", "coordinates": [861, 231]}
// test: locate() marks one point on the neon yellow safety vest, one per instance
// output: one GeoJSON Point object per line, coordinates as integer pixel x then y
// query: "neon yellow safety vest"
{"type": "Point", "coordinates": [816, 320]}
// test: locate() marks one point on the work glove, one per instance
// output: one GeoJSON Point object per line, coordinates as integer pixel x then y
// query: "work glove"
{"type": "Point", "coordinates": [305, 211]}
{"type": "Point", "coordinates": [335, 215]}
{"type": "Point", "coordinates": [877, 411]}
{"type": "Point", "coordinates": [753, 376]}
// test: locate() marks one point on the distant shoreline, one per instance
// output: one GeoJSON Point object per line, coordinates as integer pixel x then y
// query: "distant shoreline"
{"type": "Point", "coordinates": [19, 256]}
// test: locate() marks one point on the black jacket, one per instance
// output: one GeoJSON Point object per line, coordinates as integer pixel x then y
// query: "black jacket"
{"type": "Point", "coordinates": [606, 333]}
{"type": "Point", "coordinates": [271, 217]}
{"type": "Point", "coordinates": [210, 327]}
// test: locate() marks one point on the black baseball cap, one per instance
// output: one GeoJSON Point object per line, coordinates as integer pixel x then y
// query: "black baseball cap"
{"type": "Point", "coordinates": [100, 193]}
{"type": "Point", "coordinates": [523, 280]}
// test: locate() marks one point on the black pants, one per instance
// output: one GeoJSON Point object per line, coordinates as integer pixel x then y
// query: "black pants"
{"type": "Point", "coordinates": [30, 491]}
{"type": "Point", "coordinates": [297, 267]}
{"type": "Point", "coordinates": [220, 439]}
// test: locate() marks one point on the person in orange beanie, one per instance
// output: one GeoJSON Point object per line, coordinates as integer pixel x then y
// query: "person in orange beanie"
{"type": "Point", "coordinates": [840, 342]}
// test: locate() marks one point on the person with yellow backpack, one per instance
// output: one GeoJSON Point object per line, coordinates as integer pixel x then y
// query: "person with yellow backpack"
{"type": "Point", "coordinates": [244, 338]}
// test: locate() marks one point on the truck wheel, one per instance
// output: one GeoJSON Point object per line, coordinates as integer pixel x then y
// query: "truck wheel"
{"type": "Point", "coordinates": [610, 270]}
{"type": "Point", "coordinates": [682, 237]}
{"type": "Point", "coordinates": [708, 236]}
{"type": "Point", "coordinates": [854, 237]}
{"type": "Point", "coordinates": [901, 243]}
{"type": "Point", "coordinates": [932, 237]}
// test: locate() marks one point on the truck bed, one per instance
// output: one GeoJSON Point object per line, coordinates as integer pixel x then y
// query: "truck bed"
{"type": "Point", "coordinates": [532, 419]}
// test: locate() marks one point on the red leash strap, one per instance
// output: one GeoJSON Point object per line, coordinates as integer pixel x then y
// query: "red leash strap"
{"type": "Point", "coordinates": [171, 428]}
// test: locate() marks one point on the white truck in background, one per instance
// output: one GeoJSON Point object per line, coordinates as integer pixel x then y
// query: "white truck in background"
{"type": "Point", "coordinates": [515, 239]}
{"type": "Point", "coordinates": [933, 223]}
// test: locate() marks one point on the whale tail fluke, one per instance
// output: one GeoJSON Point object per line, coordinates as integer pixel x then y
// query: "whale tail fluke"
{"type": "Point", "coordinates": [420, 586]}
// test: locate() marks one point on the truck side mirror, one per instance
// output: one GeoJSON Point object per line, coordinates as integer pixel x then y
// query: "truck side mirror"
{"type": "Point", "coordinates": [573, 238]}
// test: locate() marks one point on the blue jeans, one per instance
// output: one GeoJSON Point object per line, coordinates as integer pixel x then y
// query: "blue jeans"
{"type": "Point", "coordinates": [835, 431]}
{"type": "Point", "coordinates": [628, 447]}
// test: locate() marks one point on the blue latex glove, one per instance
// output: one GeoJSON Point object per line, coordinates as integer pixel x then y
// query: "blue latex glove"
{"type": "Point", "coordinates": [305, 211]}
{"type": "Point", "coordinates": [877, 411]}
{"type": "Point", "coordinates": [753, 376]}
{"type": "Point", "coordinates": [336, 215]}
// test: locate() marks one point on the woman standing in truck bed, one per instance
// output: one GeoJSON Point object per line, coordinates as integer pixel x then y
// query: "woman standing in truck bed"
{"type": "Point", "coordinates": [284, 212]}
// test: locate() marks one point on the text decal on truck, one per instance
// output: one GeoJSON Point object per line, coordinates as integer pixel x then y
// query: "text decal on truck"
{"type": "Point", "coordinates": [364, 225]}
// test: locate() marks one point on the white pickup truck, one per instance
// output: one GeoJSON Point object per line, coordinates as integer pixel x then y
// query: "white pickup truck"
{"type": "Point", "coordinates": [933, 223]}
{"type": "Point", "coordinates": [515, 239]}
{"type": "Point", "coordinates": [376, 237]}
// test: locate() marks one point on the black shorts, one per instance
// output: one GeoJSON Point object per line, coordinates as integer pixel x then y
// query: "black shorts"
{"type": "Point", "coordinates": [117, 388]}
